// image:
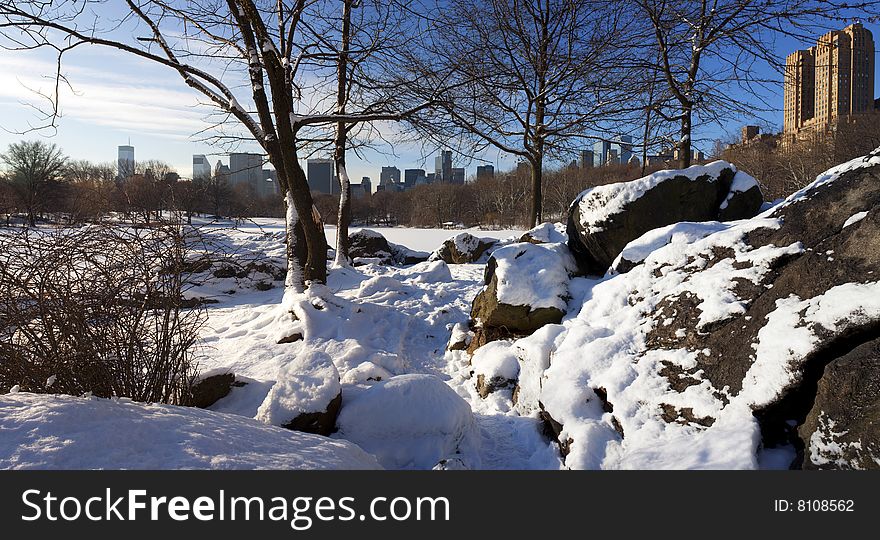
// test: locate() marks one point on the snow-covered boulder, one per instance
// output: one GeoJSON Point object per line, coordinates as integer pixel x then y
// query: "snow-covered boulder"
{"type": "Point", "coordinates": [211, 386]}
{"type": "Point", "coordinates": [66, 432]}
{"type": "Point", "coordinates": [546, 233]}
{"type": "Point", "coordinates": [526, 288]}
{"type": "Point", "coordinates": [638, 250]}
{"type": "Point", "coordinates": [496, 367]}
{"type": "Point", "coordinates": [367, 245]}
{"type": "Point", "coordinates": [411, 422]}
{"type": "Point", "coordinates": [604, 219]}
{"type": "Point", "coordinates": [306, 396]}
{"type": "Point", "coordinates": [463, 248]}
{"type": "Point", "coordinates": [712, 349]}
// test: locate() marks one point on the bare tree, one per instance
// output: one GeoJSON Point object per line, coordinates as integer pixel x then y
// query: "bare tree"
{"type": "Point", "coordinates": [34, 169]}
{"type": "Point", "coordinates": [535, 77]}
{"type": "Point", "coordinates": [245, 57]}
{"type": "Point", "coordinates": [707, 52]}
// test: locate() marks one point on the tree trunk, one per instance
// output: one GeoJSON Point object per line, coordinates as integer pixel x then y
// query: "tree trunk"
{"type": "Point", "coordinates": [684, 146]}
{"type": "Point", "coordinates": [537, 195]}
{"type": "Point", "coordinates": [311, 260]}
{"type": "Point", "coordinates": [344, 215]}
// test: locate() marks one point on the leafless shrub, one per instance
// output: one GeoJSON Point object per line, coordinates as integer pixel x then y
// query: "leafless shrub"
{"type": "Point", "coordinates": [98, 309]}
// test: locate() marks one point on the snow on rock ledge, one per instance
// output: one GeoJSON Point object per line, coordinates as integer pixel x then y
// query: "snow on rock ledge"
{"type": "Point", "coordinates": [65, 432]}
{"type": "Point", "coordinates": [411, 422]}
{"type": "Point", "coordinates": [604, 219]}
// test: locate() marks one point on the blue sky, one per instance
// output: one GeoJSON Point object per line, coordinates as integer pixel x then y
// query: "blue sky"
{"type": "Point", "coordinates": [116, 98]}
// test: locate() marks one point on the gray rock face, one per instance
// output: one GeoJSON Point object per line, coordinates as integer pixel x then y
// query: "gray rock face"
{"type": "Point", "coordinates": [596, 237]}
{"type": "Point", "coordinates": [842, 430]}
{"type": "Point", "coordinates": [321, 423]}
{"type": "Point", "coordinates": [207, 391]}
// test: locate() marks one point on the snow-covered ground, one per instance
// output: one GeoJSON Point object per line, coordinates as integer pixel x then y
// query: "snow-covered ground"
{"type": "Point", "coordinates": [375, 322]}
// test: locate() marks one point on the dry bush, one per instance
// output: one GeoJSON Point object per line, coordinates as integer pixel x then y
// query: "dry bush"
{"type": "Point", "coordinates": [98, 309]}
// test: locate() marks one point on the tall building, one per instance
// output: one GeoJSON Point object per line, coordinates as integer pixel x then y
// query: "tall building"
{"type": "Point", "coordinates": [367, 185]}
{"type": "Point", "coordinates": [612, 151]}
{"type": "Point", "coordinates": [247, 169]}
{"type": "Point", "coordinates": [125, 162]}
{"type": "Point", "coordinates": [587, 160]}
{"type": "Point", "coordinates": [443, 166]}
{"type": "Point", "coordinates": [390, 176]}
{"type": "Point", "coordinates": [222, 171]}
{"type": "Point", "coordinates": [831, 81]}
{"type": "Point", "coordinates": [413, 178]}
{"type": "Point", "coordinates": [320, 175]}
{"type": "Point", "coordinates": [485, 171]}
{"type": "Point", "coordinates": [457, 176]}
{"type": "Point", "coordinates": [201, 167]}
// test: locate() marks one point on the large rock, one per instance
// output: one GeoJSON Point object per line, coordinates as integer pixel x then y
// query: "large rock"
{"type": "Point", "coordinates": [211, 387]}
{"type": "Point", "coordinates": [368, 245]}
{"type": "Point", "coordinates": [711, 352]}
{"type": "Point", "coordinates": [463, 248]}
{"type": "Point", "coordinates": [306, 397]}
{"type": "Point", "coordinates": [842, 430]}
{"type": "Point", "coordinates": [526, 288]}
{"type": "Point", "coordinates": [411, 422]}
{"type": "Point", "coordinates": [604, 219]}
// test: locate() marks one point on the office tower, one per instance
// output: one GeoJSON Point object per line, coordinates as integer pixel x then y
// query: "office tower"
{"type": "Point", "coordinates": [247, 169]}
{"type": "Point", "coordinates": [201, 167]}
{"type": "Point", "coordinates": [457, 176]}
{"type": "Point", "coordinates": [367, 185]}
{"type": "Point", "coordinates": [390, 176]}
{"type": "Point", "coordinates": [443, 166]}
{"type": "Point", "coordinates": [125, 162]}
{"type": "Point", "coordinates": [269, 185]}
{"type": "Point", "coordinates": [413, 178]}
{"type": "Point", "coordinates": [485, 171]}
{"type": "Point", "coordinates": [587, 159]}
{"type": "Point", "coordinates": [321, 177]}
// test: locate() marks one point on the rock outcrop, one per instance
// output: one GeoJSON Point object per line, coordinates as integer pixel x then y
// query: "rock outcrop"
{"type": "Point", "coordinates": [604, 219]}
{"type": "Point", "coordinates": [741, 337]}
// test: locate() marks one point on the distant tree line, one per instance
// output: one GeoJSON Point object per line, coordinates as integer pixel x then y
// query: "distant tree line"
{"type": "Point", "coordinates": [37, 181]}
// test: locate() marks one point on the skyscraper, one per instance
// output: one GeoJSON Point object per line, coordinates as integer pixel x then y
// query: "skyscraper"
{"type": "Point", "coordinates": [246, 168]}
{"type": "Point", "coordinates": [443, 166]}
{"type": "Point", "coordinates": [125, 163]}
{"type": "Point", "coordinates": [457, 176]}
{"type": "Point", "coordinates": [612, 151]}
{"type": "Point", "coordinates": [830, 81]}
{"type": "Point", "coordinates": [390, 176]}
{"type": "Point", "coordinates": [485, 172]}
{"type": "Point", "coordinates": [413, 178]}
{"type": "Point", "coordinates": [321, 177]}
{"type": "Point", "coordinates": [587, 160]}
{"type": "Point", "coordinates": [201, 167]}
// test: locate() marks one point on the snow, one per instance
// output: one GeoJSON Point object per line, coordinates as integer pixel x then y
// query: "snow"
{"type": "Point", "coordinates": [306, 384]}
{"type": "Point", "coordinates": [411, 422]}
{"type": "Point", "coordinates": [685, 232]}
{"type": "Point", "coordinates": [855, 218]}
{"type": "Point", "coordinates": [65, 432]}
{"type": "Point", "coordinates": [534, 275]}
{"type": "Point", "coordinates": [496, 360]}
{"type": "Point", "coordinates": [598, 203]}
{"type": "Point", "coordinates": [551, 233]}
